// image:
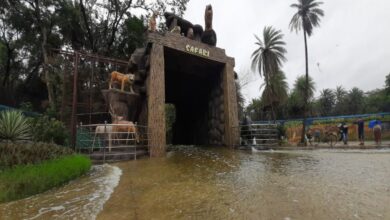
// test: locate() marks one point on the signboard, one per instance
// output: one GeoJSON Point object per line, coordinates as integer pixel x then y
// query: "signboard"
{"type": "Point", "coordinates": [197, 51]}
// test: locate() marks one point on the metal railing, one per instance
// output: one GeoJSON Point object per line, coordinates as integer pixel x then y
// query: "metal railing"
{"type": "Point", "coordinates": [260, 136]}
{"type": "Point", "coordinates": [105, 138]}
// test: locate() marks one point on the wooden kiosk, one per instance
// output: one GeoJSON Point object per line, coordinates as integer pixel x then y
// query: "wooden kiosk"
{"type": "Point", "coordinates": [199, 80]}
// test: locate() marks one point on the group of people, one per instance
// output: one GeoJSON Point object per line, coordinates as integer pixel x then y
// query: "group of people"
{"type": "Point", "coordinates": [376, 126]}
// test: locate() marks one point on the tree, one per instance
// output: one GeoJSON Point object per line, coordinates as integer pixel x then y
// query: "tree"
{"type": "Point", "coordinates": [267, 59]}
{"type": "Point", "coordinates": [326, 101]}
{"type": "Point", "coordinates": [307, 17]}
{"type": "Point", "coordinates": [240, 100]}
{"type": "Point", "coordinates": [341, 100]}
{"type": "Point", "coordinates": [254, 109]}
{"type": "Point", "coordinates": [388, 83]}
{"type": "Point", "coordinates": [275, 93]}
{"type": "Point", "coordinates": [29, 29]}
{"type": "Point", "coordinates": [355, 101]}
{"type": "Point", "coordinates": [303, 86]}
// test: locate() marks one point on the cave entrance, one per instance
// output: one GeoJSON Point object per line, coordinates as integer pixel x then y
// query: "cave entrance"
{"type": "Point", "coordinates": [198, 80]}
{"type": "Point", "coordinates": [194, 86]}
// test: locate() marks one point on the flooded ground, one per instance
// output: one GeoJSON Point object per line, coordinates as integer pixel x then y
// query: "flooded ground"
{"type": "Point", "coordinates": [80, 199]}
{"type": "Point", "coordinates": [217, 183]}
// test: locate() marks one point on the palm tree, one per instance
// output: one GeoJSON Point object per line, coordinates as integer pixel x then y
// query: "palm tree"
{"type": "Point", "coordinates": [268, 57]}
{"type": "Point", "coordinates": [341, 100]}
{"type": "Point", "coordinates": [303, 86]}
{"type": "Point", "coordinates": [307, 18]}
{"type": "Point", "coordinates": [276, 92]}
{"type": "Point", "coordinates": [327, 101]}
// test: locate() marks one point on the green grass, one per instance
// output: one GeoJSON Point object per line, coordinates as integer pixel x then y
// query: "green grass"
{"type": "Point", "coordinates": [14, 154]}
{"type": "Point", "coordinates": [25, 180]}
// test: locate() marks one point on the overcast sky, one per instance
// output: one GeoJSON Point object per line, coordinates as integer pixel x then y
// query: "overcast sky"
{"type": "Point", "coordinates": [350, 48]}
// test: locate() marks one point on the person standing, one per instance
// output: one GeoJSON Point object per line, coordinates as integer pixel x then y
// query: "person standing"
{"type": "Point", "coordinates": [377, 132]}
{"type": "Point", "coordinates": [360, 124]}
{"type": "Point", "coordinates": [345, 133]}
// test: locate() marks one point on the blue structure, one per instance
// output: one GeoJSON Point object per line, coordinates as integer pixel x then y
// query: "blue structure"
{"type": "Point", "coordinates": [26, 113]}
{"type": "Point", "coordinates": [309, 121]}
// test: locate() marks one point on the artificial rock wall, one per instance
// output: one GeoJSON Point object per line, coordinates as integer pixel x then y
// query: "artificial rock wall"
{"type": "Point", "coordinates": [216, 123]}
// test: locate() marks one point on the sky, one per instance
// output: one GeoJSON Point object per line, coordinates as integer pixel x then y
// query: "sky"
{"type": "Point", "coordinates": [351, 48]}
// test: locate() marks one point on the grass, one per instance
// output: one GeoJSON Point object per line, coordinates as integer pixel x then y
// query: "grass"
{"type": "Point", "coordinates": [14, 154]}
{"type": "Point", "coordinates": [25, 180]}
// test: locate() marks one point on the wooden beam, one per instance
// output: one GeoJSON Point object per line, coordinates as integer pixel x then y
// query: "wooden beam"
{"type": "Point", "coordinates": [178, 42]}
{"type": "Point", "coordinates": [156, 102]}
{"type": "Point", "coordinates": [230, 104]}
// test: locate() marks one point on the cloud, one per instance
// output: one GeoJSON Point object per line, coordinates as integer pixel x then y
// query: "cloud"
{"type": "Point", "coordinates": [350, 48]}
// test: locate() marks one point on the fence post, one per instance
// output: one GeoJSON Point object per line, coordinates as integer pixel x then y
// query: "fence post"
{"type": "Point", "coordinates": [109, 137]}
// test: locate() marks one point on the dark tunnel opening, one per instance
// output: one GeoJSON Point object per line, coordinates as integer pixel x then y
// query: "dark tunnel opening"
{"type": "Point", "coordinates": [189, 82]}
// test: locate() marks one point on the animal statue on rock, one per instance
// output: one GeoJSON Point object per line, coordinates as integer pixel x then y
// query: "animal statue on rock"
{"type": "Point", "coordinates": [122, 79]}
{"type": "Point", "coordinates": [120, 126]}
{"type": "Point", "coordinates": [187, 29]}
{"type": "Point", "coordinates": [209, 36]}
{"type": "Point", "coordinates": [177, 24]}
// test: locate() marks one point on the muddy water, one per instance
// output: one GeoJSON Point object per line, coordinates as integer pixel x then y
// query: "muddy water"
{"type": "Point", "coordinates": [195, 183]}
{"type": "Point", "coordinates": [80, 199]}
{"type": "Point", "coordinates": [212, 183]}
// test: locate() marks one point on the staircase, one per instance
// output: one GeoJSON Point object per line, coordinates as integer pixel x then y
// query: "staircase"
{"type": "Point", "coordinates": [258, 136]}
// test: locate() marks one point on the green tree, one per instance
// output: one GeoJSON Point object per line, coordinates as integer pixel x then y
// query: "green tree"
{"type": "Point", "coordinates": [326, 102]}
{"type": "Point", "coordinates": [307, 17]}
{"type": "Point", "coordinates": [296, 103]}
{"type": "Point", "coordinates": [267, 60]}
{"type": "Point", "coordinates": [275, 94]}
{"type": "Point", "coordinates": [341, 100]}
{"type": "Point", "coordinates": [240, 100]}
{"type": "Point", "coordinates": [388, 83]}
{"type": "Point", "coordinates": [255, 109]}
{"type": "Point", "coordinates": [30, 28]}
{"type": "Point", "coordinates": [355, 101]}
{"type": "Point", "coordinates": [377, 100]}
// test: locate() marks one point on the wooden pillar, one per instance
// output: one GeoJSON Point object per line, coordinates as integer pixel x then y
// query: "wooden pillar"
{"type": "Point", "coordinates": [230, 104]}
{"type": "Point", "coordinates": [156, 102]}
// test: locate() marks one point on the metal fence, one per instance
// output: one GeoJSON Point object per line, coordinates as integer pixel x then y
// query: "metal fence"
{"type": "Point", "coordinates": [106, 138]}
{"type": "Point", "coordinates": [259, 136]}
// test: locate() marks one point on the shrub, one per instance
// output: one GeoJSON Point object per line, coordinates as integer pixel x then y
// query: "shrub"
{"type": "Point", "coordinates": [14, 126]}
{"type": "Point", "coordinates": [281, 131]}
{"type": "Point", "coordinates": [14, 154]}
{"type": "Point", "coordinates": [23, 181]}
{"type": "Point", "coordinates": [50, 130]}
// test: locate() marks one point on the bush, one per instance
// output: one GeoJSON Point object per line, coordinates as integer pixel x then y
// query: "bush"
{"type": "Point", "coordinates": [281, 131]}
{"type": "Point", "coordinates": [14, 126]}
{"type": "Point", "coordinates": [50, 130]}
{"type": "Point", "coordinates": [23, 181]}
{"type": "Point", "coordinates": [13, 154]}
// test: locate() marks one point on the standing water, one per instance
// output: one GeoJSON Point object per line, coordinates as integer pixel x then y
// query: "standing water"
{"type": "Point", "coordinates": [218, 183]}
{"type": "Point", "coordinates": [80, 199]}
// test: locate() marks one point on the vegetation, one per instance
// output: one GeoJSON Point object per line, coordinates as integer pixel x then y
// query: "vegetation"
{"type": "Point", "coordinates": [267, 60]}
{"type": "Point", "coordinates": [24, 153]}
{"type": "Point", "coordinates": [23, 181]}
{"type": "Point", "coordinates": [331, 102]}
{"type": "Point", "coordinates": [27, 167]}
{"type": "Point", "coordinates": [307, 17]}
{"type": "Point", "coordinates": [50, 130]}
{"type": "Point", "coordinates": [31, 29]}
{"type": "Point", "coordinates": [14, 126]}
